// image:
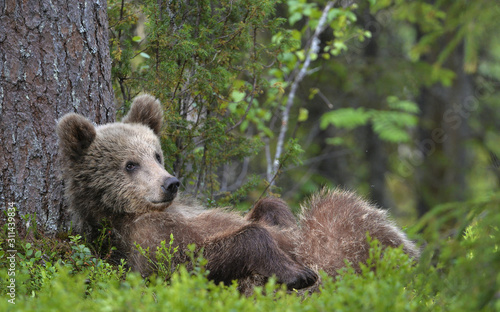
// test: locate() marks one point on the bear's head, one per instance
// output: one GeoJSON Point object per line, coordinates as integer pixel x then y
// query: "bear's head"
{"type": "Point", "coordinates": [116, 168]}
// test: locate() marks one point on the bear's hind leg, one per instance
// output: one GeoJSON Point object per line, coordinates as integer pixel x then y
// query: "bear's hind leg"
{"type": "Point", "coordinates": [272, 211]}
{"type": "Point", "coordinates": [252, 250]}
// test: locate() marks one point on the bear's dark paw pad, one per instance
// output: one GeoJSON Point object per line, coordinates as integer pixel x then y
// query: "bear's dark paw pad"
{"type": "Point", "coordinates": [303, 279]}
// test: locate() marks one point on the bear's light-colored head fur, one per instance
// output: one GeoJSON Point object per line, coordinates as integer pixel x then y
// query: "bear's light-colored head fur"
{"type": "Point", "coordinates": [115, 168]}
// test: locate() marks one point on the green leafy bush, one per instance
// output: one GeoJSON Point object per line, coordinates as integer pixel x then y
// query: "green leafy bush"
{"type": "Point", "coordinates": [161, 261]}
{"type": "Point", "coordinates": [459, 271]}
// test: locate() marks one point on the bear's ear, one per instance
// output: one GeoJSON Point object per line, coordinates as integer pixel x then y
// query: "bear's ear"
{"type": "Point", "coordinates": [146, 110]}
{"type": "Point", "coordinates": [76, 133]}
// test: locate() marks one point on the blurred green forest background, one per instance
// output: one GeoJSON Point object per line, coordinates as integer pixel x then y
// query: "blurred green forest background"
{"type": "Point", "coordinates": [397, 100]}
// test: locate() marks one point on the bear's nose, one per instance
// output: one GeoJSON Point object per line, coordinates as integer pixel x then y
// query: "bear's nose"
{"type": "Point", "coordinates": [170, 185]}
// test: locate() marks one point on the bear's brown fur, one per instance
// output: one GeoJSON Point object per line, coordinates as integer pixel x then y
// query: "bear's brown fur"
{"type": "Point", "coordinates": [115, 173]}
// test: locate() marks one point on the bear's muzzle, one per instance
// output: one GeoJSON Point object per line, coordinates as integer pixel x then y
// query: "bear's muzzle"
{"type": "Point", "coordinates": [170, 187]}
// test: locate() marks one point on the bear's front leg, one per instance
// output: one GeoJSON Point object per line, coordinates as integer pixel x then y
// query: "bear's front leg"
{"type": "Point", "coordinates": [252, 250]}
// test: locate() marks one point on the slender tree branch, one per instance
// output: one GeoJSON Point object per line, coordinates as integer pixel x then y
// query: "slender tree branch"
{"type": "Point", "coordinates": [269, 170]}
{"type": "Point", "coordinates": [121, 18]}
{"type": "Point", "coordinates": [300, 76]}
{"type": "Point", "coordinates": [325, 99]}
{"type": "Point", "coordinates": [180, 79]}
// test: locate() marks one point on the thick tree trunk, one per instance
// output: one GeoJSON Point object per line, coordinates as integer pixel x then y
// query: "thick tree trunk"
{"type": "Point", "coordinates": [376, 154]}
{"type": "Point", "coordinates": [443, 131]}
{"type": "Point", "coordinates": [54, 60]}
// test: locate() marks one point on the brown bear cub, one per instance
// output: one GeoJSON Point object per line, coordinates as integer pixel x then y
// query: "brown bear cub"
{"type": "Point", "coordinates": [115, 177]}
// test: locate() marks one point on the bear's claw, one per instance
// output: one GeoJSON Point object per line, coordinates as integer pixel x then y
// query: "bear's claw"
{"type": "Point", "coordinates": [304, 279]}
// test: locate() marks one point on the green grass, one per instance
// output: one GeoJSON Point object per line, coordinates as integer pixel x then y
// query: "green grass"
{"type": "Point", "coordinates": [459, 271]}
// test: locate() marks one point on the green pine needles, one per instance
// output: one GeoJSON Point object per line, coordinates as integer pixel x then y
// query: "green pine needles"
{"type": "Point", "coordinates": [205, 61]}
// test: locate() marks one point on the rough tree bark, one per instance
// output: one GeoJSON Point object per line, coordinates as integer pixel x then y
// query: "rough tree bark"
{"type": "Point", "coordinates": [54, 60]}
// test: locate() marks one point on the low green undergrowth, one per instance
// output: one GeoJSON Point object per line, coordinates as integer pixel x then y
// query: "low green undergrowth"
{"type": "Point", "coordinates": [459, 271]}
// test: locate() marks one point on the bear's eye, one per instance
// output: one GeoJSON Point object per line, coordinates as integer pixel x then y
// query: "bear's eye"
{"type": "Point", "coordinates": [158, 157]}
{"type": "Point", "coordinates": [131, 166]}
